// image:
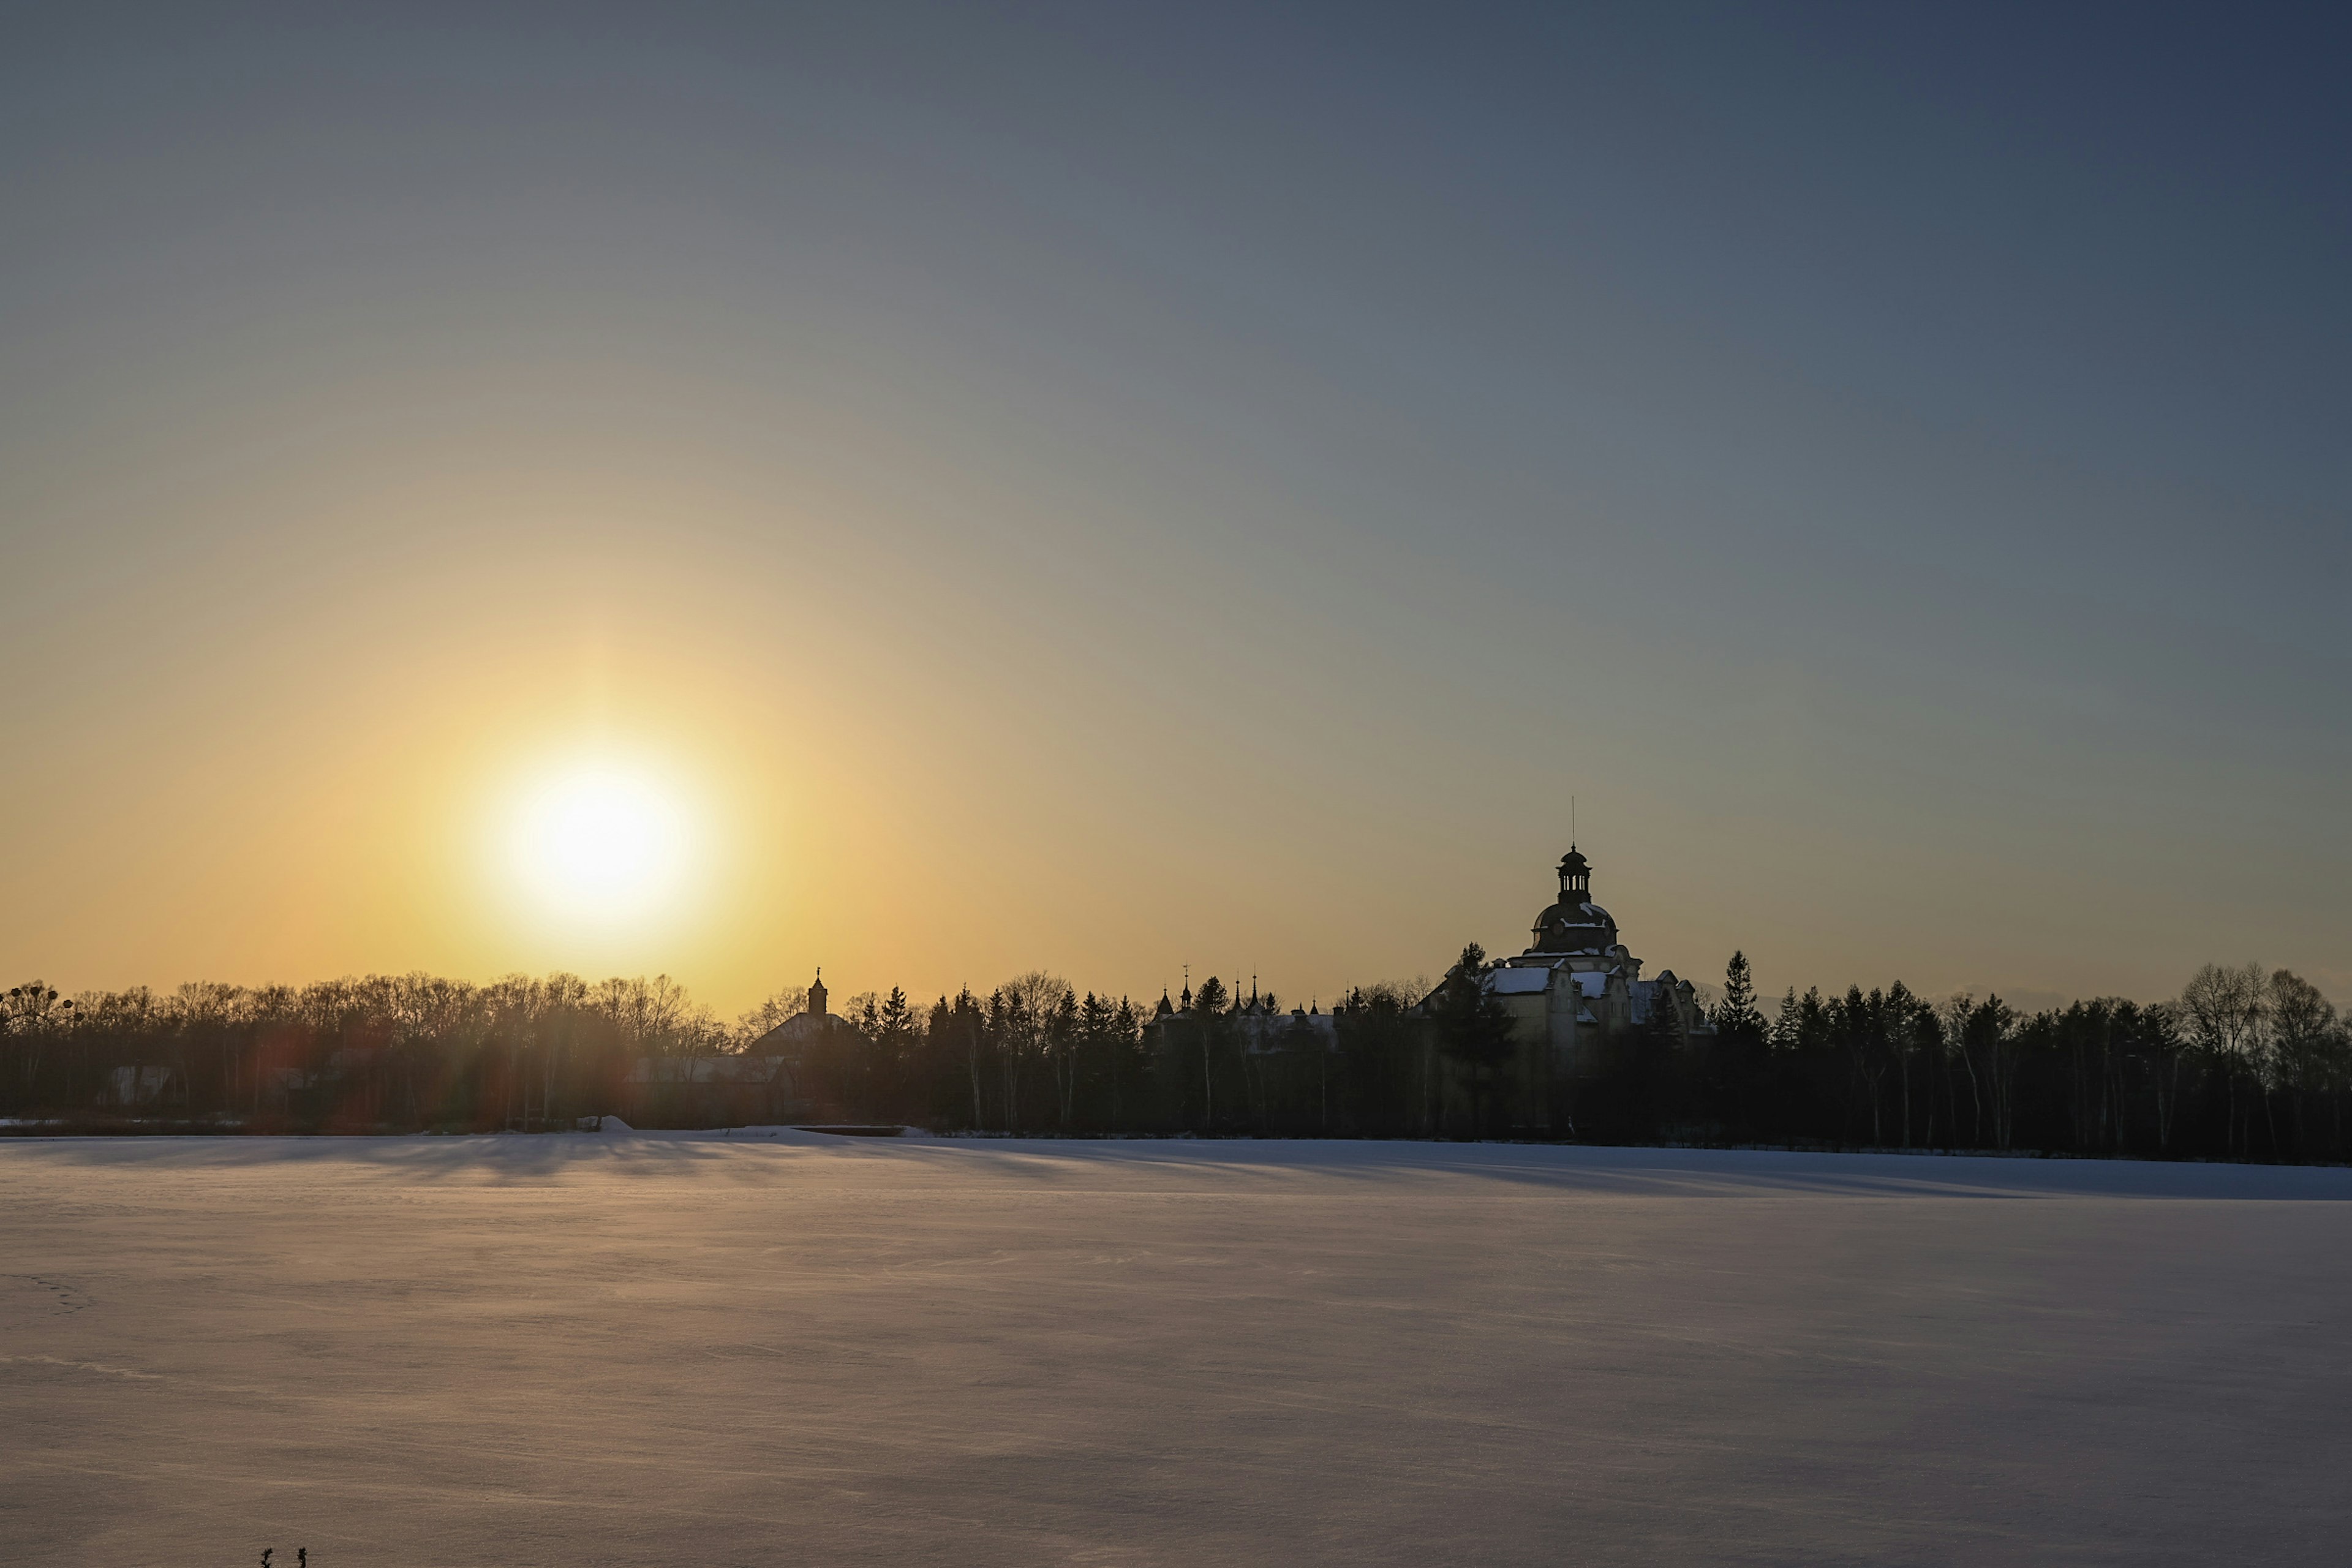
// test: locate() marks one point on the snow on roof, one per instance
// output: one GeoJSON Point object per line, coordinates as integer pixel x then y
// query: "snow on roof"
{"type": "Point", "coordinates": [1591, 981]}
{"type": "Point", "coordinates": [799, 1029]}
{"type": "Point", "coordinates": [1516, 982]}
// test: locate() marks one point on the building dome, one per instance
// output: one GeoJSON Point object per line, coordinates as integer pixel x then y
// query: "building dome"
{"type": "Point", "coordinates": [1574, 928]}
{"type": "Point", "coordinates": [1574, 924]}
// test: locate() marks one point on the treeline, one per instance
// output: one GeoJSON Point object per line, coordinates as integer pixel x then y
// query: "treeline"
{"type": "Point", "coordinates": [393, 1053]}
{"type": "Point", "coordinates": [2244, 1064]}
{"type": "Point", "coordinates": [380, 1053]}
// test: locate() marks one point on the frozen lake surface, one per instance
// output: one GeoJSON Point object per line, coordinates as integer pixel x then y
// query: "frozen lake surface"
{"type": "Point", "coordinates": [698, 1349]}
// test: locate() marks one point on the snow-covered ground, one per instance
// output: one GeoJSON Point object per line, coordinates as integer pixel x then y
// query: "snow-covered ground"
{"type": "Point", "coordinates": [786, 1348]}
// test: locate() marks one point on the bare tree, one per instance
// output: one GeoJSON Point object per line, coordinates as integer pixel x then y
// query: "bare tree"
{"type": "Point", "coordinates": [1064, 1039]}
{"type": "Point", "coordinates": [653, 1017]}
{"type": "Point", "coordinates": [789, 1002]}
{"type": "Point", "coordinates": [1030, 1001]}
{"type": "Point", "coordinates": [1989, 1045]}
{"type": "Point", "coordinates": [2224, 1008]}
{"type": "Point", "coordinates": [33, 1015]}
{"type": "Point", "coordinates": [2303, 1035]}
{"type": "Point", "coordinates": [1952, 1013]}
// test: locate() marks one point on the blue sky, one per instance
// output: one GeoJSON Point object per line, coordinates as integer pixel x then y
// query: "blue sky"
{"type": "Point", "coordinates": [1888, 466]}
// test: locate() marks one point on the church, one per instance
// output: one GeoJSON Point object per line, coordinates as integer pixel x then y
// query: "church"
{"type": "Point", "coordinates": [768, 1080]}
{"type": "Point", "coordinates": [1576, 997]}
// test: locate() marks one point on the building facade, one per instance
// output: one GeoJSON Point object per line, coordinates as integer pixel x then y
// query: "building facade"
{"type": "Point", "coordinates": [1578, 1001]}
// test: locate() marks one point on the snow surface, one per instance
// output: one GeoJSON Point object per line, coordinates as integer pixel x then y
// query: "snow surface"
{"type": "Point", "coordinates": [780, 1347]}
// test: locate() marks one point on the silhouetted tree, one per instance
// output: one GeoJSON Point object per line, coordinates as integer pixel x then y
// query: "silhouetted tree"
{"type": "Point", "coordinates": [1735, 1011]}
{"type": "Point", "coordinates": [2223, 1007]}
{"type": "Point", "coordinates": [1209, 1025]}
{"type": "Point", "coordinates": [1737, 1068]}
{"type": "Point", "coordinates": [1473, 1028]}
{"type": "Point", "coordinates": [1377, 1048]}
{"type": "Point", "coordinates": [2248, 1063]}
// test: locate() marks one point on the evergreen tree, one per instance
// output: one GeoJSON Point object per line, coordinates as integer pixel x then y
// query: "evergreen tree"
{"type": "Point", "coordinates": [1736, 1013]}
{"type": "Point", "coordinates": [1064, 1042]}
{"type": "Point", "coordinates": [1473, 1028]}
{"type": "Point", "coordinates": [1377, 1052]}
{"type": "Point", "coordinates": [1208, 1024]}
{"type": "Point", "coordinates": [1736, 1071]}
{"type": "Point", "coordinates": [1786, 1028]}
{"type": "Point", "coordinates": [1654, 1105]}
{"type": "Point", "coordinates": [1131, 1068]}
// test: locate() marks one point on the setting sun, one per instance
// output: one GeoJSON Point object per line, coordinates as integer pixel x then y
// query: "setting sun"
{"type": "Point", "coordinates": [602, 844]}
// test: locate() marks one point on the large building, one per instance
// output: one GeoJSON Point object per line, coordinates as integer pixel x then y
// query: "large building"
{"type": "Point", "coordinates": [1576, 997]}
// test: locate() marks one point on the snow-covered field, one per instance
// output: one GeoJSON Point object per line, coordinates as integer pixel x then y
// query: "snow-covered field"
{"type": "Point", "coordinates": [698, 1349]}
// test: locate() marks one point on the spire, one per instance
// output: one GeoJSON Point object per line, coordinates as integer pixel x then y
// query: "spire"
{"type": "Point", "coordinates": [816, 996]}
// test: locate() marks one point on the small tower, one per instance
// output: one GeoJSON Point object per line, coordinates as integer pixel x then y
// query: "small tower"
{"type": "Point", "coordinates": [817, 994]}
{"type": "Point", "coordinates": [1575, 877]}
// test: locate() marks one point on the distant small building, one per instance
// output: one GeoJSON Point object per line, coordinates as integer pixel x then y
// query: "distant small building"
{"type": "Point", "coordinates": [146, 1084]}
{"type": "Point", "coordinates": [1262, 1027]}
{"type": "Point", "coordinates": [1270, 1056]}
{"type": "Point", "coordinates": [704, 1091]}
{"type": "Point", "coordinates": [767, 1081]}
{"type": "Point", "coordinates": [813, 1025]}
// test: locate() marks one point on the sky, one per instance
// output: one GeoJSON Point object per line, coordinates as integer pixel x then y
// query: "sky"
{"type": "Point", "coordinates": [1111, 489]}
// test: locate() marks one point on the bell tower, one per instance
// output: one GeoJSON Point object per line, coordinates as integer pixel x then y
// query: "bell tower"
{"type": "Point", "coordinates": [1575, 877]}
{"type": "Point", "coordinates": [817, 994]}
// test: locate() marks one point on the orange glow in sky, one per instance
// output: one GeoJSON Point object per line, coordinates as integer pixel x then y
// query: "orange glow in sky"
{"type": "Point", "coordinates": [720, 496]}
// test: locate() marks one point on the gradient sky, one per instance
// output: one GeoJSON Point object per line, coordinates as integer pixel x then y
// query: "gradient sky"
{"type": "Point", "coordinates": [1106, 487]}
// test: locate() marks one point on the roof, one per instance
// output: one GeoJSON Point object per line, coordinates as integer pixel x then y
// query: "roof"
{"type": "Point", "coordinates": [798, 1029]}
{"type": "Point", "coordinates": [1516, 982]}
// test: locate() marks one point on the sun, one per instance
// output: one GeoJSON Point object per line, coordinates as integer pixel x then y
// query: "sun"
{"type": "Point", "coordinates": [602, 843]}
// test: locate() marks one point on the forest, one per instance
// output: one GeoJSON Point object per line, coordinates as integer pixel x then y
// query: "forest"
{"type": "Point", "coordinates": [2244, 1064]}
